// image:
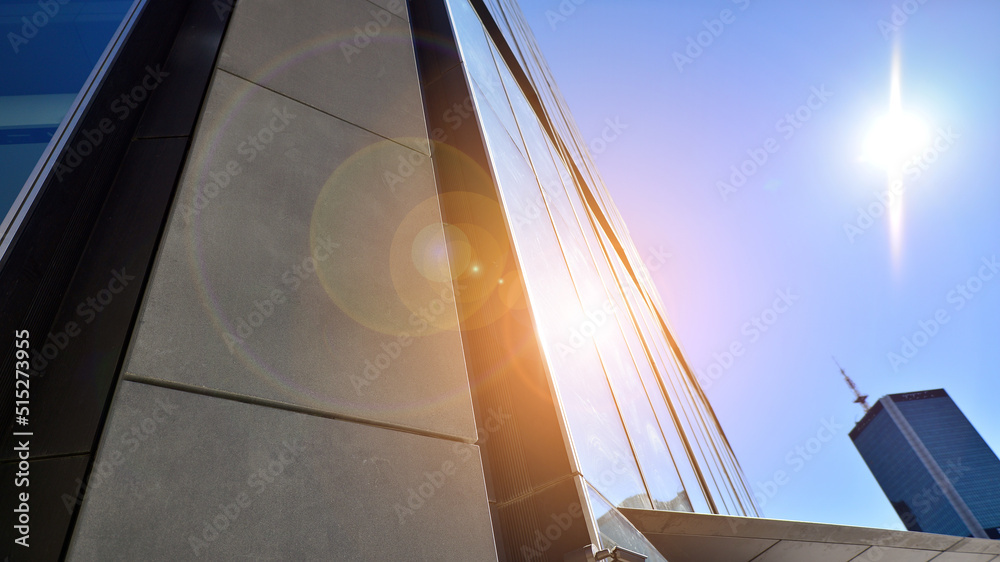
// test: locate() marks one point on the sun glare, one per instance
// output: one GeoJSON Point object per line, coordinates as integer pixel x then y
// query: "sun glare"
{"type": "Point", "coordinates": [891, 142]}
{"type": "Point", "coordinates": [894, 138]}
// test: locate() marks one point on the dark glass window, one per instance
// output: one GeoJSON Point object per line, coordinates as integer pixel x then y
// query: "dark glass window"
{"type": "Point", "coordinates": [904, 479]}
{"type": "Point", "coordinates": [963, 455]}
{"type": "Point", "coordinates": [49, 49]}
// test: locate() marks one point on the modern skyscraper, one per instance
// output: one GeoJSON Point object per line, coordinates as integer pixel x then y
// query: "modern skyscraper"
{"type": "Point", "coordinates": [934, 467]}
{"type": "Point", "coordinates": [335, 280]}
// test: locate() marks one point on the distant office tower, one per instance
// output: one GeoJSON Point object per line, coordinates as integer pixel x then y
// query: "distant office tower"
{"type": "Point", "coordinates": [932, 464]}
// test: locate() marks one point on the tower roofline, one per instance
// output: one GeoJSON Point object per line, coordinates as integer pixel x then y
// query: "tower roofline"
{"type": "Point", "coordinates": [875, 410]}
{"type": "Point", "coordinates": [918, 395]}
{"type": "Point", "coordinates": [898, 397]}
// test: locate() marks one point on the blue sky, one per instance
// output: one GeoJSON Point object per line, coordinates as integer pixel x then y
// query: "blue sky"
{"type": "Point", "coordinates": [685, 123]}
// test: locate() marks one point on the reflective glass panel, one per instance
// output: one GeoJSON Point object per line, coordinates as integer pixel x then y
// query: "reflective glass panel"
{"type": "Point", "coordinates": [601, 322]}
{"type": "Point", "coordinates": [603, 451]}
{"type": "Point", "coordinates": [477, 55]}
{"type": "Point", "coordinates": [615, 530]}
{"type": "Point", "coordinates": [49, 49]}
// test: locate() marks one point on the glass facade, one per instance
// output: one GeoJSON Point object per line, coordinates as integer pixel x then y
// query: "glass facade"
{"type": "Point", "coordinates": [589, 405]}
{"type": "Point", "coordinates": [640, 430]}
{"type": "Point", "coordinates": [49, 51]}
{"type": "Point", "coordinates": [614, 530]}
{"type": "Point", "coordinates": [957, 451]}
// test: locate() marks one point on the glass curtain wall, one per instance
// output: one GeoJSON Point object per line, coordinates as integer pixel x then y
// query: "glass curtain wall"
{"type": "Point", "coordinates": [641, 433]}
{"type": "Point", "coordinates": [721, 461]}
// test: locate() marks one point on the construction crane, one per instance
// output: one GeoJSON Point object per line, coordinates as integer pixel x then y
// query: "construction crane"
{"type": "Point", "coordinates": [858, 397]}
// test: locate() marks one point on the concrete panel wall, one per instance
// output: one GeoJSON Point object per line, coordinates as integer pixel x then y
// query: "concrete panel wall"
{"type": "Point", "coordinates": [296, 385]}
{"type": "Point", "coordinates": [193, 476]}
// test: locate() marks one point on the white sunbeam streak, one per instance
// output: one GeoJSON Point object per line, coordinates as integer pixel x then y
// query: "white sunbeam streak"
{"type": "Point", "coordinates": [893, 138]}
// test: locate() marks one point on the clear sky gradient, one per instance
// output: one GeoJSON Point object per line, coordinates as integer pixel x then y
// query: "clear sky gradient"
{"type": "Point", "coordinates": [683, 123]}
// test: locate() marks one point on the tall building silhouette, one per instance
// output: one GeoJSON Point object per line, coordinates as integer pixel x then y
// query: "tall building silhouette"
{"type": "Point", "coordinates": [934, 467]}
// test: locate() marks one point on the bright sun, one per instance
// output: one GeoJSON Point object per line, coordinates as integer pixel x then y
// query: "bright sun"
{"type": "Point", "coordinates": [892, 140]}
{"type": "Point", "coordinates": [895, 137]}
